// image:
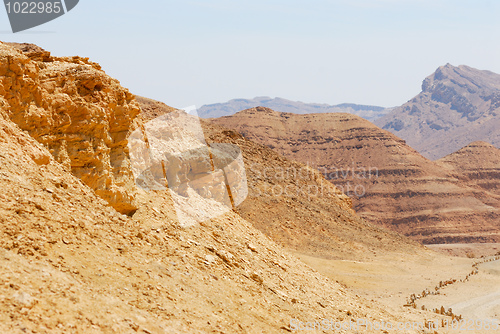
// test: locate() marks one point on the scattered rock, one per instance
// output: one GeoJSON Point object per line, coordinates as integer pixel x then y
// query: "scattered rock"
{"type": "Point", "coordinates": [24, 299]}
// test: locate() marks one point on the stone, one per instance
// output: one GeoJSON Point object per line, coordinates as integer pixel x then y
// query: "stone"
{"type": "Point", "coordinates": [80, 114]}
{"type": "Point", "coordinates": [24, 299]}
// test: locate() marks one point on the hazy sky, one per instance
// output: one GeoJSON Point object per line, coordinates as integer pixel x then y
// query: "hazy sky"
{"type": "Point", "coordinates": [198, 52]}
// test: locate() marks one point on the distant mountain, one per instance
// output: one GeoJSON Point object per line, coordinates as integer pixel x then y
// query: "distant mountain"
{"type": "Point", "coordinates": [390, 183]}
{"type": "Point", "coordinates": [457, 106]}
{"type": "Point", "coordinates": [278, 104]}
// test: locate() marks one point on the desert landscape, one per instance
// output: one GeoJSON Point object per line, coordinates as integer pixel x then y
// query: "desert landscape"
{"type": "Point", "coordinates": [122, 214]}
{"type": "Point", "coordinates": [450, 205]}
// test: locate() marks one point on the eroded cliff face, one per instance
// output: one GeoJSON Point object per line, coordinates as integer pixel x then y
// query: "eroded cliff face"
{"type": "Point", "coordinates": [80, 114]}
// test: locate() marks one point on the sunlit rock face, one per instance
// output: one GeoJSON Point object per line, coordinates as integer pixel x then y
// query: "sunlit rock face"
{"type": "Point", "coordinates": [457, 106]}
{"type": "Point", "coordinates": [79, 113]}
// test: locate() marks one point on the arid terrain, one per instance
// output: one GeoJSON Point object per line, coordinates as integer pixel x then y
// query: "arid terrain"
{"type": "Point", "coordinates": [72, 263]}
{"type": "Point", "coordinates": [457, 106]}
{"type": "Point", "coordinates": [390, 183]}
{"type": "Point", "coordinates": [477, 164]}
{"type": "Point", "coordinates": [83, 249]}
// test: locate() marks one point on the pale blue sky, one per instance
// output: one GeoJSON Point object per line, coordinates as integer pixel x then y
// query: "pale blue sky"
{"type": "Point", "coordinates": [199, 52]}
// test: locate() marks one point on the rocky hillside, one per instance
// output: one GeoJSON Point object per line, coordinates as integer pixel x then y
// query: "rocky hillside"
{"type": "Point", "coordinates": [233, 106]}
{"type": "Point", "coordinates": [295, 205]}
{"type": "Point", "coordinates": [477, 164]}
{"type": "Point", "coordinates": [390, 183]}
{"type": "Point", "coordinates": [72, 263]}
{"type": "Point", "coordinates": [298, 208]}
{"type": "Point", "coordinates": [457, 106]}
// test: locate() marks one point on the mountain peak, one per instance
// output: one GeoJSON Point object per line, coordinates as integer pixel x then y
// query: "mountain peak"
{"type": "Point", "coordinates": [258, 111]}
{"type": "Point", "coordinates": [453, 100]}
{"type": "Point", "coordinates": [479, 164]}
{"type": "Point", "coordinates": [464, 76]}
{"type": "Point", "coordinates": [480, 143]}
{"type": "Point", "coordinates": [481, 151]}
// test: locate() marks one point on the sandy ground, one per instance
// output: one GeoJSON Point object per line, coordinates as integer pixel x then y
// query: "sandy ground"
{"type": "Point", "coordinates": [390, 280]}
{"type": "Point", "coordinates": [477, 299]}
{"type": "Point", "coordinates": [464, 250]}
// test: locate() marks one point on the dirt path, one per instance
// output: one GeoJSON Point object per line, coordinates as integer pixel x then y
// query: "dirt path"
{"type": "Point", "coordinates": [391, 280]}
{"type": "Point", "coordinates": [481, 307]}
{"type": "Point", "coordinates": [476, 299]}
